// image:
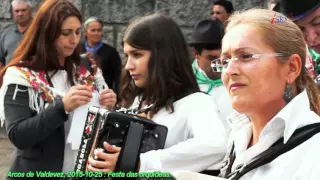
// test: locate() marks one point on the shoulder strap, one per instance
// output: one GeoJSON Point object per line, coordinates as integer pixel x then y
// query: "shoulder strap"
{"type": "Point", "coordinates": [128, 158]}
{"type": "Point", "coordinates": [278, 148]}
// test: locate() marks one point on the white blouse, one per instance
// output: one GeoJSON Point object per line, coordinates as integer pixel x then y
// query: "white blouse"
{"type": "Point", "coordinates": [196, 137]}
{"type": "Point", "coordinates": [300, 163]}
{"type": "Point", "coordinates": [60, 81]}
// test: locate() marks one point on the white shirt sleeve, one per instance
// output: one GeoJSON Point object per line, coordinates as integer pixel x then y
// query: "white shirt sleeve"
{"type": "Point", "coordinates": [206, 147]}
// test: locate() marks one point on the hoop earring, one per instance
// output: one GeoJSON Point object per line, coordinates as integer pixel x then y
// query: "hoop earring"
{"type": "Point", "coordinates": [287, 95]}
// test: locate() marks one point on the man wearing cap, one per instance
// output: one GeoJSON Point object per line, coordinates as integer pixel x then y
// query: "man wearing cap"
{"type": "Point", "coordinates": [306, 15]}
{"type": "Point", "coordinates": [221, 10]}
{"type": "Point", "coordinates": [206, 43]}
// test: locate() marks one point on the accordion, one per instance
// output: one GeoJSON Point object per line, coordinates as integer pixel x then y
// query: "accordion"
{"type": "Point", "coordinates": [134, 134]}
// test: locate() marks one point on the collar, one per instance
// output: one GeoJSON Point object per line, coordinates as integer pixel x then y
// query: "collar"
{"type": "Point", "coordinates": [202, 78]}
{"type": "Point", "coordinates": [16, 29]}
{"type": "Point", "coordinates": [93, 49]}
{"type": "Point", "coordinates": [294, 115]}
{"type": "Point", "coordinates": [199, 69]}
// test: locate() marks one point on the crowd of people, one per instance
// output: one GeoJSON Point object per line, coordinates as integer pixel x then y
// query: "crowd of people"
{"type": "Point", "coordinates": [246, 107]}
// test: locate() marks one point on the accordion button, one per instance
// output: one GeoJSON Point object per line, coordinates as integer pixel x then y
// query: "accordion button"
{"type": "Point", "coordinates": [122, 132]}
{"type": "Point", "coordinates": [116, 125]}
{"type": "Point", "coordinates": [155, 135]}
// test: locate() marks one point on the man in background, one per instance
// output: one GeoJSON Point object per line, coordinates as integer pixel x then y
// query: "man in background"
{"type": "Point", "coordinates": [206, 47]}
{"type": "Point", "coordinates": [12, 35]}
{"type": "Point", "coordinates": [221, 10]}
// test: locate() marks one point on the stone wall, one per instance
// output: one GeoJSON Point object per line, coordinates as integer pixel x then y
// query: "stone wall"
{"type": "Point", "coordinates": [117, 13]}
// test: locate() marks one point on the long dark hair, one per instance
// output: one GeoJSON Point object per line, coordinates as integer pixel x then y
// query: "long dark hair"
{"type": "Point", "coordinates": [37, 50]}
{"type": "Point", "coordinates": [170, 74]}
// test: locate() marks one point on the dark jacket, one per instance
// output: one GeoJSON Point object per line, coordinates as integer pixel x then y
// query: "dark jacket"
{"type": "Point", "coordinates": [110, 64]}
{"type": "Point", "coordinates": [39, 138]}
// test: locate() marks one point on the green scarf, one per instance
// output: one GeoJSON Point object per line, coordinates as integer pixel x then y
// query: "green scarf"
{"type": "Point", "coordinates": [202, 79]}
{"type": "Point", "coordinates": [316, 59]}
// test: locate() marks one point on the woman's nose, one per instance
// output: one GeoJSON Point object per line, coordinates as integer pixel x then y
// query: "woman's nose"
{"type": "Point", "coordinates": [129, 65]}
{"type": "Point", "coordinates": [231, 68]}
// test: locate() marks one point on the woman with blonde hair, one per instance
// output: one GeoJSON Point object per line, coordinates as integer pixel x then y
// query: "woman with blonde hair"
{"type": "Point", "coordinates": [276, 123]}
{"type": "Point", "coordinates": [263, 68]}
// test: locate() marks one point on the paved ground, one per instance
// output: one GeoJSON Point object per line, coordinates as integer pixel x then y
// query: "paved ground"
{"type": "Point", "coordinates": [5, 156]}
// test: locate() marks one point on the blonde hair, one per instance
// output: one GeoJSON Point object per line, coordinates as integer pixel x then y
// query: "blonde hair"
{"type": "Point", "coordinates": [283, 37]}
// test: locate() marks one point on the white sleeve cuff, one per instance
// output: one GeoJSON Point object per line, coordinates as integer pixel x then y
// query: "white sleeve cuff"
{"type": "Point", "coordinates": [150, 161]}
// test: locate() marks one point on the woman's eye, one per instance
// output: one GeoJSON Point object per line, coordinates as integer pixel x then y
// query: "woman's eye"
{"type": "Point", "coordinates": [67, 33]}
{"type": "Point", "coordinates": [245, 56]}
{"type": "Point", "coordinates": [137, 55]}
{"type": "Point", "coordinates": [224, 60]}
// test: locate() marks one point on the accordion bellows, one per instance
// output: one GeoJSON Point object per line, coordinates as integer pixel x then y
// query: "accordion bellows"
{"type": "Point", "coordinates": [134, 134]}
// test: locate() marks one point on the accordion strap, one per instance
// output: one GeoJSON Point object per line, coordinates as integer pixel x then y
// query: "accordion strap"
{"type": "Point", "coordinates": [277, 149]}
{"type": "Point", "coordinates": [130, 151]}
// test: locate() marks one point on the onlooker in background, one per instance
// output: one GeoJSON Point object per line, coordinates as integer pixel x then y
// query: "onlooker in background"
{"type": "Point", "coordinates": [221, 10]}
{"type": "Point", "coordinates": [107, 58]}
{"type": "Point", "coordinates": [12, 35]}
{"type": "Point", "coordinates": [206, 43]}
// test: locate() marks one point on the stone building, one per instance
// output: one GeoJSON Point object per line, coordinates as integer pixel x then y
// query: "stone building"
{"type": "Point", "coordinates": [117, 13]}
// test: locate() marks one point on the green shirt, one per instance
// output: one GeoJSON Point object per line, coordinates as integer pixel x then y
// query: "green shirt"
{"type": "Point", "coordinates": [316, 59]}
{"type": "Point", "coordinates": [203, 79]}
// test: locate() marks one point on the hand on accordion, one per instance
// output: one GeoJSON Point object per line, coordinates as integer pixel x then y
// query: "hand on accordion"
{"type": "Point", "coordinates": [108, 160]}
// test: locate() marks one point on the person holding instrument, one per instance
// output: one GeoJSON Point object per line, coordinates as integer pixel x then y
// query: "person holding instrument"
{"type": "Point", "coordinates": [45, 82]}
{"type": "Point", "coordinates": [159, 78]}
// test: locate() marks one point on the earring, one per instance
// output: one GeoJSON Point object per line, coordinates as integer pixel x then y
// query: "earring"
{"type": "Point", "coordinates": [287, 95]}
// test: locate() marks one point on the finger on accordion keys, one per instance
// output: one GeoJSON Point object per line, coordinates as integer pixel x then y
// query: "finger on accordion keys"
{"type": "Point", "coordinates": [97, 150]}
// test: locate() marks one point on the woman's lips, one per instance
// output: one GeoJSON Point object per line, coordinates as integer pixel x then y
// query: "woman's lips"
{"type": "Point", "coordinates": [235, 86]}
{"type": "Point", "coordinates": [135, 76]}
{"type": "Point", "coordinates": [69, 49]}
